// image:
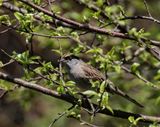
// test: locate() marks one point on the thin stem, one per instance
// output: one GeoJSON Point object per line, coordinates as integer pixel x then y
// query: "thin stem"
{"type": "Point", "coordinates": [60, 116]}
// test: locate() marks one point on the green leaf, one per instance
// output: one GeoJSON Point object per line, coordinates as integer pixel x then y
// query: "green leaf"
{"type": "Point", "coordinates": [95, 50]}
{"type": "Point", "coordinates": [131, 119]}
{"type": "Point", "coordinates": [99, 2]}
{"type": "Point", "coordinates": [117, 68]}
{"type": "Point", "coordinates": [57, 51]}
{"type": "Point", "coordinates": [25, 59]}
{"type": "Point", "coordinates": [96, 15]}
{"type": "Point", "coordinates": [77, 50]}
{"type": "Point", "coordinates": [102, 87]}
{"type": "Point", "coordinates": [134, 68]}
{"type": "Point", "coordinates": [54, 76]}
{"type": "Point", "coordinates": [45, 18]}
{"type": "Point", "coordinates": [95, 84]}
{"type": "Point", "coordinates": [70, 84]}
{"type": "Point", "coordinates": [48, 66]}
{"type": "Point", "coordinates": [60, 89]}
{"type": "Point", "coordinates": [60, 30]}
{"type": "Point", "coordinates": [157, 101]}
{"type": "Point", "coordinates": [37, 1]}
{"type": "Point", "coordinates": [5, 19]}
{"type": "Point", "coordinates": [27, 74]}
{"type": "Point", "coordinates": [1, 2]}
{"type": "Point", "coordinates": [157, 76]}
{"type": "Point", "coordinates": [110, 109]}
{"type": "Point", "coordinates": [1, 64]}
{"type": "Point", "coordinates": [104, 101]}
{"type": "Point", "coordinates": [72, 114]}
{"type": "Point", "coordinates": [25, 20]}
{"type": "Point", "coordinates": [85, 19]}
{"type": "Point", "coordinates": [133, 31]}
{"type": "Point", "coordinates": [155, 124]}
{"type": "Point", "coordinates": [75, 35]}
{"type": "Point", "coordinates": [6, 85]}
{"type": "Point", "coordinates": [18, 15]}
{"type": "Point", "coordinates": [90, 93]}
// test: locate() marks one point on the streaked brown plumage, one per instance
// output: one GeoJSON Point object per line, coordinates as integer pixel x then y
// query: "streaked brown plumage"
{"type": "Point", "coordinates": [92, 73]}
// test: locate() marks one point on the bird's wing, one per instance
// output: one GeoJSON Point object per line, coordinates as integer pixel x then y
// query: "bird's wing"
{"type": "Point", "coordinates": [92, 73]}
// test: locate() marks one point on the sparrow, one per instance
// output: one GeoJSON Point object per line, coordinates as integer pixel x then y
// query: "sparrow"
{"type": "Point", "coordinates": [81, 73]}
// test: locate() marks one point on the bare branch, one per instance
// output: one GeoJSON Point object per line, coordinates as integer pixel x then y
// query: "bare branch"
{"type": "Point", "coordinates": [145, 3]}
{"type": "Point", "coordinates": [141, 17]}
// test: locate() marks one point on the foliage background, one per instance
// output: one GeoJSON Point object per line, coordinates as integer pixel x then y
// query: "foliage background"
{"type": "Point", "coordinates": [26, 108]}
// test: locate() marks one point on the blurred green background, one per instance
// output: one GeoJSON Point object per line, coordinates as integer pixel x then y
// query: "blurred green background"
{"type": "Point", "coordinates": [26, 108]}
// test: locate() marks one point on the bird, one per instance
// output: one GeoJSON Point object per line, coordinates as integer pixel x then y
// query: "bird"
{"type": "Point", "coordinates": [81, 73]}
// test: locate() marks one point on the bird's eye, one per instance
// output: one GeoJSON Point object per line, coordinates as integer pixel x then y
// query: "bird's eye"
{"type": "Point", "coordinates": [68, 58]}
{"type": "Point", "coordinates": [75, 57]}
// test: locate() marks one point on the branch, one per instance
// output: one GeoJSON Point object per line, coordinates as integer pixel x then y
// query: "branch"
{"type": "Point", "coordinates": [141, 17]}
{"type": "Point", "coordinates": [76, 25]}
{"type": "Point", "coordinates": [149, 17]}
{"type": "Point", "coordinates": [93, 8]}
{"type": "Point", "coordinates": [102, 14]}
{"type": "Point", "coordinates": [32, 33]}
{"type": "Point", "coordinates": [72, 100]}
{"type": "Point", "coordinates": [122, 28]}
{"type": "Point", "coordinates": [146, 6]}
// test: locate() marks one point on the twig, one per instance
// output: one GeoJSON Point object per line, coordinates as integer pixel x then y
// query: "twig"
{"type": "Point", "coordinates": [35, 79]}
{"type": "Point", "coordinates": [37, 34]}
{"type": "Point", "coordinates": [60, 67]}
{"type": "Point", "coordinates": [46, 4]}
{"type": "Point", "coordinates": [8, 63]}
{"type": "Point", "coordinates": [4, 31]}
{"type": "Point", "coordinates": [141, 17]}
{"type": "Point", "coordinates": [140, 77]}
{"type": "Point", "coordinates": [8, 29]}
{"type": "Point", "coordinates": [60, 116]}
{"type": "Point", "coordinates": [145, 3]}
{"type": "Point", "coordinates": [3, 92]}
{"type": "Point", "coordinates": [92, 112]}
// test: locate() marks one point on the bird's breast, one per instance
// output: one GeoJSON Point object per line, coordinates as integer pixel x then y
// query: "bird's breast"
{"type": "Point", "coordinates": [77, 75]}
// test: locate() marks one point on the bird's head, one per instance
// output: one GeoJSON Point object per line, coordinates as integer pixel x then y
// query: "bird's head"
{"type": "Point", "coordinates": [70, 60]}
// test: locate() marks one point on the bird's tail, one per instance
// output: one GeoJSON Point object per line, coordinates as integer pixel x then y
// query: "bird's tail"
{"type": "Point", "coordinates": [113, 89]}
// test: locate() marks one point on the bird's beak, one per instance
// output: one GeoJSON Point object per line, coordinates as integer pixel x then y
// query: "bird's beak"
{"type": "Point", "coordinates": [61, 60]}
